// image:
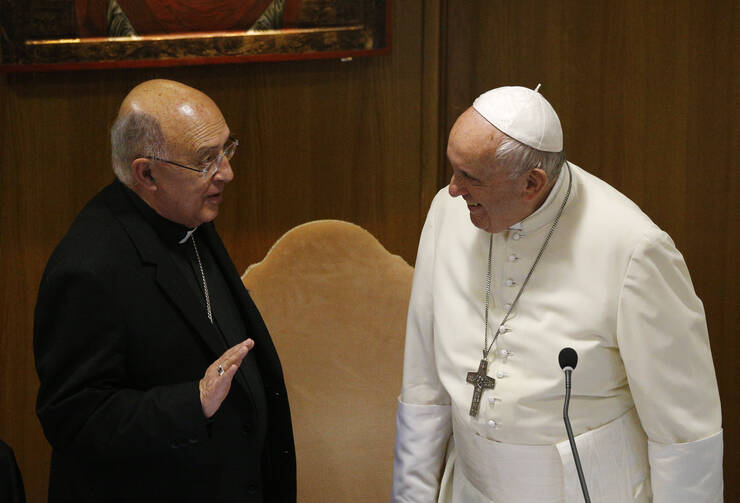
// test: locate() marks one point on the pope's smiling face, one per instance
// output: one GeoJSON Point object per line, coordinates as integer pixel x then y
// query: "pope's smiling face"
{"type": "Point", "coordinates": [494, 199]}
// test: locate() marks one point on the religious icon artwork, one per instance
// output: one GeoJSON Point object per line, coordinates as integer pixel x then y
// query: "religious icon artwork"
{"type": "Point", "coordinates": [70, 34]}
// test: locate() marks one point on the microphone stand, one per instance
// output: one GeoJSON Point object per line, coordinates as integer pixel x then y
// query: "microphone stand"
{"type": "Point", "coordinates": [572, 441]}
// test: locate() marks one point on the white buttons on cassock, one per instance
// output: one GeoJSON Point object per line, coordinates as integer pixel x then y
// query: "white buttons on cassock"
{"type": "Point", "coordinates": [492, 401]}
{"type": "Point", "coordinates": [510, 282]}
{"type": "Point", "coordinates": [507, 306]}
{"type": "Point", "coordinates": [500, 374]}
{"type": "Point", "coordinates": [516, 236]}
{"type": "Point", "coordinates": [491, 423]}
{"type": "Point", "coordinates": [512, 258]}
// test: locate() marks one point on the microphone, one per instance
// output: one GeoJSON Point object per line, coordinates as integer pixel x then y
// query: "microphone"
{"type": "Point", "coordinates": [568, 359]}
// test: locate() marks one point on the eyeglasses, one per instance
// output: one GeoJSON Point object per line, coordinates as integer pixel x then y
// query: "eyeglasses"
{"type": "Point", "coordinates": [210, 167]}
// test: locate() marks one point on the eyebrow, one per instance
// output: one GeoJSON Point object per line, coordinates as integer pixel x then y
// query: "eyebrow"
{"type": "Point", "coordinates": [203, 151]}
{"type": "Point", "coordinates": [468, 175]}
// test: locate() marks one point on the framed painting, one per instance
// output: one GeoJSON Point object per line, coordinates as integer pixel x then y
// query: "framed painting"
{"type": "Point", "coordinates": [43, 35]}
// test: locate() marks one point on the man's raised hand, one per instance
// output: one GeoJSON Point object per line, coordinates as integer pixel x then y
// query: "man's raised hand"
{"type": "Point", "coordinates": [216, 382]}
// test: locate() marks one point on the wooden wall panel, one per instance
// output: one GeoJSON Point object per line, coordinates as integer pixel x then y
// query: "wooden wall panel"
{"type": "Point", "coordinates": [319, 139]}
{"type": "Point", "coordinates": [647, 92]}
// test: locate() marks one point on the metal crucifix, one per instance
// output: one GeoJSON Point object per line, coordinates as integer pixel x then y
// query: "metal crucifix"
{"type": "Point", "coordinates": [480, 381]}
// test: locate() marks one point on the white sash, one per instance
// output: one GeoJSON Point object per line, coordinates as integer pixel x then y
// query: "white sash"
{"type": "Point", "coordinates": [614, 459]}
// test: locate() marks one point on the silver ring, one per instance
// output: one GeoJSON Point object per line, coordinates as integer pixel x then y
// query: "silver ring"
{"type": "Point", "coordinates": [220, 370]}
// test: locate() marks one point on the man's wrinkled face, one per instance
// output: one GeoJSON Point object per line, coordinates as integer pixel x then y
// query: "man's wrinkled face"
{"type": "Point", "coordinates": [195, 136]}
{"type": "Point", "coordinates": [493, 198]}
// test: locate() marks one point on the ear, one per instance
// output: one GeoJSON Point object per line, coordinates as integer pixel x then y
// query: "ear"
{"type": "Point", "coordinates": [536, 182]}
{"type": "Point", "coordinates": [141, 169]}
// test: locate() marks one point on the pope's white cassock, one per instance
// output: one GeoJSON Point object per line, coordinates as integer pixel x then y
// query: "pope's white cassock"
{"type": "Point", "coordinates": [611, 284]}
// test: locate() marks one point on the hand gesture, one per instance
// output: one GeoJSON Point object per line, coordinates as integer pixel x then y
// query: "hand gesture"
{"type": "Point", "coordinates": [216, 382]}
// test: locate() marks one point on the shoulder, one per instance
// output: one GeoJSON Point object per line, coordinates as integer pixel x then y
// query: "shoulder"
{"type": "Point", "coordinates": [607, 214]}
{"type": "Point", "coordinates": [95, 237]}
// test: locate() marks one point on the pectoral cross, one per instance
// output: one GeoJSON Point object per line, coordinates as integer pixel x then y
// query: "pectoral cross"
{"type": "Point", "coordinates": [480, 381]}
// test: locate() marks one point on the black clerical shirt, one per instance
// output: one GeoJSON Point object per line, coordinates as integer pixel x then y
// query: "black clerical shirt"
{"type": "Point", "coordinates": [227, 319]}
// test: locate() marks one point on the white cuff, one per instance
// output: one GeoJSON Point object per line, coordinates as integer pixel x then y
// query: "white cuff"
{"type": "Point", "coordinates": [690, 471]}
{"type": "Point", "coordinates": [422, 433]}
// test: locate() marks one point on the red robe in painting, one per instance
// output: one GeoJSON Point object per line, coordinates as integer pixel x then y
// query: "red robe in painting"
{"type": "Point", "coordinates": [174, 16]}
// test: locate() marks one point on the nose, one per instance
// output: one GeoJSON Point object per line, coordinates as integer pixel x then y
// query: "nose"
{"type": "Point", "coordinates": [455, 189]}
{"type": "Point", "coordinates": [224, 173]}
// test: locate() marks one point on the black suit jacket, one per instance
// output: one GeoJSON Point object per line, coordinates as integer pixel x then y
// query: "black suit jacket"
{"type": "Point", "coordinates": [121, 342]}
{"type": "Point", "coordinates": [11, 481]}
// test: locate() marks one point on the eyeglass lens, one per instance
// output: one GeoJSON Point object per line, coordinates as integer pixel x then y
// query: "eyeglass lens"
{"type": "Point", "coordinates": [227, 152]}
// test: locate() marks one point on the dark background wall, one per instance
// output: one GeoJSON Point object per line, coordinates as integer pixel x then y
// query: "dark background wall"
{"type": "Point", "coordinates": [647, 92]}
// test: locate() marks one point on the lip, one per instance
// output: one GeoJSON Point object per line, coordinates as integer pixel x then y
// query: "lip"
{"type": "Point", "coordinates": [215, 198]}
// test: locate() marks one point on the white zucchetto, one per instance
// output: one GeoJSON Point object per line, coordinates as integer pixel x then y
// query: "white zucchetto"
{"type": "Point", "coordinates": [522, 114]}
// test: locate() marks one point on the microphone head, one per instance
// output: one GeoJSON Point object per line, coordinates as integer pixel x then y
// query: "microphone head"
{"type": "Point", "coordinates": [568, 358]}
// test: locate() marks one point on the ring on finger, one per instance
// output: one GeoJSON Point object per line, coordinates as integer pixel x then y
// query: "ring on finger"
{"type": "Point", "coordinates": [220, 370]}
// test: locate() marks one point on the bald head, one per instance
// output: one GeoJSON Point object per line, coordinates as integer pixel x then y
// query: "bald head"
{"type": "Point", "coordinates": [158, 95]}
{"type": "Point", "coordinates": [172, 103]}
{"type": "Point", "coordinates": [157, 118]}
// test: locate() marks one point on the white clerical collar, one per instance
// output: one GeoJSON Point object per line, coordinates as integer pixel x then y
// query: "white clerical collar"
{"type": "Point", "coordinates": [550, 197]}
{"type": "Point", "coordinates": [187, 235]}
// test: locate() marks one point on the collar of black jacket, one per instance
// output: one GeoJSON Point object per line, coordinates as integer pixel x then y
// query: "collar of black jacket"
{"type": "Point", "coordinates": [168, 231]}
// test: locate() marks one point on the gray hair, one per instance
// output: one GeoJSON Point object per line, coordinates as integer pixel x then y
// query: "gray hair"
{"type": "Point", "coordinates": [519, 158]}
{"type": "Point", "coordinates": [133, 135]}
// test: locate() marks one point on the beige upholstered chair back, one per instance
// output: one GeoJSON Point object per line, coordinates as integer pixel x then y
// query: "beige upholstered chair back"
{"type": "Point", "coordinates": [335, 303]}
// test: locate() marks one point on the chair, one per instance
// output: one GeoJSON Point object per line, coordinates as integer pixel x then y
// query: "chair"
{"type": "Point", "coordinates": [335, 303]}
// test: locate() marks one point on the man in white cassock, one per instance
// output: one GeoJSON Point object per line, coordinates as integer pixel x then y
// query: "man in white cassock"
{"type": "Point", "coordinates": [525, 253]}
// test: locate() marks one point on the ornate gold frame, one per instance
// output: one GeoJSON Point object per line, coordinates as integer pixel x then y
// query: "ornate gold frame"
{"type": "Point", "coordinates": [18, 53]}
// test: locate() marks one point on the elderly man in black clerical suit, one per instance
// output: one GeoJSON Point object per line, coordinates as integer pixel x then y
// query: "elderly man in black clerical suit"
{"type": "Point", "coordinates": [159, 380]}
